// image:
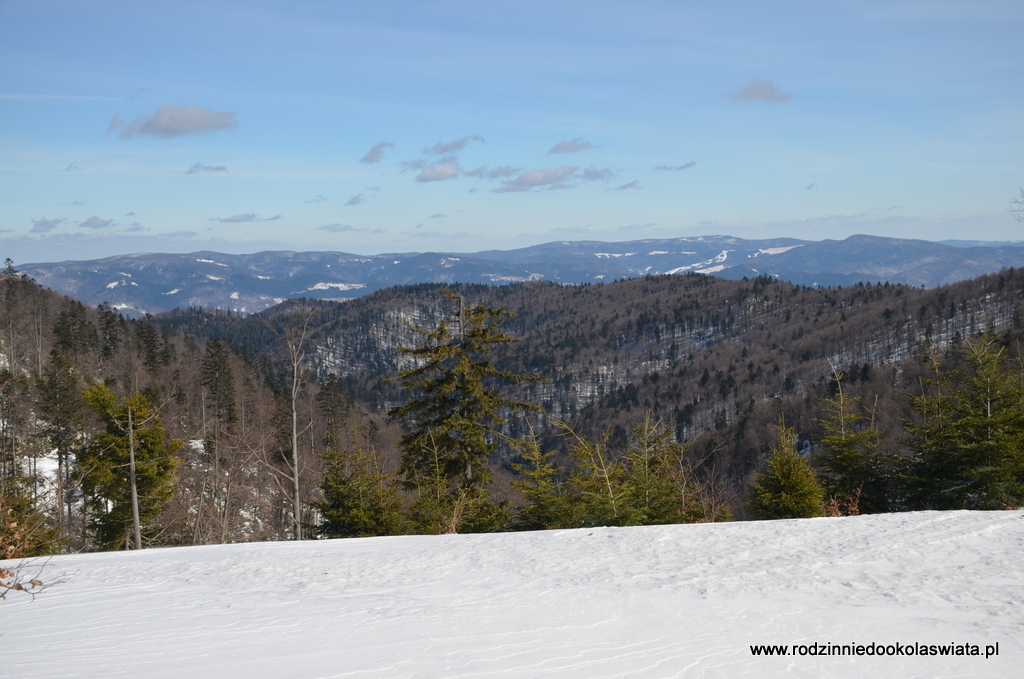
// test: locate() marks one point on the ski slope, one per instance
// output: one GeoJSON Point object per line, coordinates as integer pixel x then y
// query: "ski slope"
{"type": "Point", "coordinates": [659, 601]}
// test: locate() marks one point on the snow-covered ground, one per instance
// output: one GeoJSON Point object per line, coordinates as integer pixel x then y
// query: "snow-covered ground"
{"type": "Point", "coordinates": [673, 601]}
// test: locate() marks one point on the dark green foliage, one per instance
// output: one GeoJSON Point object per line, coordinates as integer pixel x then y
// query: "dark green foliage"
{"type": "Point", "coordinates": [548, 503]}
{"type": "Point", "coordinates": [853, 456]}
{"type": "Point", "coordinates": [62, 412]}
{"type": "Point", "coordinates": [455, 414]}
{"type": "Point", "coordinates": [360, 498]}
{"type": "Point", "coordinates": [111, 330]}
{"type": "Point", "coordinates": [105, 465]}
{"type": "Point", "coordinates": [73, 332]}
{"type": "Point", "coordinates": [787, 488]}
{"type": "Point", "coordinates": [219, 382]}
{"type": "Point", "coordinates": [968, 437]}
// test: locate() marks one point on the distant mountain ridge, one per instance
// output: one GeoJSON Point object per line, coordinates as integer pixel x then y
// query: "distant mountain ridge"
{"type": "Point", "coordinates": [152, 283]}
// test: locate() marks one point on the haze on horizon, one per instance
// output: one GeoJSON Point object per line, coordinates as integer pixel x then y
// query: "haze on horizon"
{"type": "Point", "coordinates": [406, 126]}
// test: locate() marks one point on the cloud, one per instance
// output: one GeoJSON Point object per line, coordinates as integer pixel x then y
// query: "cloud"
{"type": "Point", "coordinates": [593, 174]}
{"type": "Point", "coordinates": [138, 93]}
{"type": "Point", "coordinates": [318, 198]}
{"type": "Point", "coordinates": [199, 167]}
{"type": "Point", "coordinates": [760, 90]}
{"type": "Point", "coordinates": [246, 217]}
{"type": "Point", "coordinates": [497, 173]}
{"type": "Point", "coordinates": [179, 234]}
{"type": "Point", "coordinates": [45, 225]}
{"type": "Point", "coordinates": [571, 146]}
{"type": "Point", "coordinates": [338, 228]}
{"type": "Point", "coordinates": [552, 177]}
{"type": "Point", "coordinates": [631, 185]}
{"type": "Point", "coordinates": [378, 230]}
{"type": "Point", "coordinates": [376, 153]}
{"type": "Point", "coordinates": [71, 167]}
{"type": "Point", "coordinates": [129, 214]}
{"type": "Point", "coordinates": [810, 186]}
{"type": "Point", "coordinates": [441, 148]}
{"type": "Point", "coordinates": [439, 215]}
{"type": "Point", "coordinates": [74, 202]}
{"type": "Point", "coordinates": [448, 168]}
{"type": "Point", "coordinates": [676, 168]}
{"type": "Point", "coordinates": [171, 120]}
{"type": "Point", "coordinates": [355, 200]}
{"type": "Point", "coordinates": [136, 227]}
{"type": "Point", "coordinates": [96, 223]}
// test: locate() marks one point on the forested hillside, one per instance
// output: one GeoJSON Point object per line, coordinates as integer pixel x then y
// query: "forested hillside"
{"type": "Point", "coordinates": [715, 360]}
{"type": "Point", "coordinates": [651, 400]}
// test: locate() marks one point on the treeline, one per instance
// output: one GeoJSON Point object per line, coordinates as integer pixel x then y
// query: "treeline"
{"type": "Point", "coordinates": [639, 402]}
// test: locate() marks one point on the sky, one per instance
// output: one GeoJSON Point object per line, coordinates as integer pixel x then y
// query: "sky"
{"type": "Point", "coordinates": [461, 126]}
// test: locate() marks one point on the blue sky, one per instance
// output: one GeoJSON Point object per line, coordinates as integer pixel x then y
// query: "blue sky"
{"type": "Point", "coordinates": [464, 126]}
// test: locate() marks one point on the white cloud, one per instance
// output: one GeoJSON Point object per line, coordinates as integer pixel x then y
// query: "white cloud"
{"type": "Point", "coordinates": [355, 200]}
{"type": "Point", "coordinates": [376, 153]}
{"type": "Point", "coordinates": [571, 146]}
{"type": "Point", "coordinates": [552, 177]}
{"type": "Point", "coordinates": [199, 168]}
{"type": "Point", "coordinates": [441, 148]}
{"type": "Point", "coordinates": [499, 172]}
{"type": "Point", "coordinates": [631, 185]}
{"type": "Point", "coordinates": [676, 168]}
{"type": "Point", "coordinates": [338, 228]}
{"type": "Point", "coordinates": [439, 215]}
{"type": "Point", "coordinates": [172, 120]}
{"type": "Point", "coordinates": [448, 168]}
{"type": "Point", "coordinates": [72, 167]}
{"type": "Point", "coordinates": [318, 198]}
{"type": "Point", "coordinates": [592, 174]}
{"type": "Point", "coordinates": [245, 217]}
{"type": "Point", "coordinates": [760, 90]}
{"type": "Point", "coordinates": [96, 223]}
{"type": "Point", "coordinates": [45, 225]}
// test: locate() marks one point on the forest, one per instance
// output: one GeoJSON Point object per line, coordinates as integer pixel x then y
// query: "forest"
{"type": "Point", "coordinates": [466, 408]}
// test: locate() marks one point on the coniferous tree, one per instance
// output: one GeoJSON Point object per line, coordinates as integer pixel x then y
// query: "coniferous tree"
{"type": "Point", "coordinates": [787, 488]}
{"type": "Point", "coordinates": [128, 468]}
{"type": "Point", "coordinates": [455, 414]}
{"type": "Point", "coordinates": [548, 502]}
{"type": "Point", "coordinates": [859, 471]}
{"type": "Point", "coordinates": [968, 439]}
{"type": "Point", "coordinates": [61, 409]}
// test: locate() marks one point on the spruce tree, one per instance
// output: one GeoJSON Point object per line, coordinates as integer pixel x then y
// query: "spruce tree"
{"type": "Point", "coordinates": [62, 411]}
{"type": "Point", "coordinates": [968, 438]}
{"type": "Point", "coordinates": [853, 457]}
{"type": "Point", "coordinates": [128, 468]}
{"type": "Point", "coordinates": [787, 488]}
{"type": "Point", "coordinates": [360, 498]}
{"type": "Point", "coordinates": [455, 412]}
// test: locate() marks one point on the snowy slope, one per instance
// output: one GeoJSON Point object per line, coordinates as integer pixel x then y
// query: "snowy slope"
{"type": "Point", "coordinates": [612, 602]}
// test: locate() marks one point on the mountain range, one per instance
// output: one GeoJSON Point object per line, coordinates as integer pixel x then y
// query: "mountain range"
{"type": "Point", "coordinates": [151, 282]}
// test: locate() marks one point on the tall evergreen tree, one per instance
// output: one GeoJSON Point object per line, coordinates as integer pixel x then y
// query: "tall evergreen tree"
{"type": "Point", "coordinates": [61, 409]}
{"type": "Point", "coordinates": [787, 488]}
{"type": "Point", "coordinates": [853, 455]}
{"type": "Point", "coordinates": [455, 413]}
{"type": "Point", "coordinates": [968, 437]}
{"type": "Point", "coordinates": [129, 468]}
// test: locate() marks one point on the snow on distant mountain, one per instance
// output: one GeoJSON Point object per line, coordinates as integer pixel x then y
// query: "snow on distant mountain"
{"type": "Point", "coordinates": [653, 601]}
{"type": "Point", "coordinates": [151, 283]}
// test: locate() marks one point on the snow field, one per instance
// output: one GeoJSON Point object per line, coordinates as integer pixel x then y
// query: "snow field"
{"type": "Point", "coordinates": [657, 601]}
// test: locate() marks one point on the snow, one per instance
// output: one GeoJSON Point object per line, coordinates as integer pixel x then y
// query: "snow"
{"type": "Point", "coordinates": [657, 601]}
{"type": "Point", "coordinates": [707, 266]}
{"type": "Point", "coordinates": [337, 286]}
{"type": "Point", "coordinates": [175, 291]}
{"type": "Point", "coordinates": [775, 251]}
{"type": "Point", "coordinates": [110, 286]}
{"type": "Point", "coordinates": [214, 278]}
